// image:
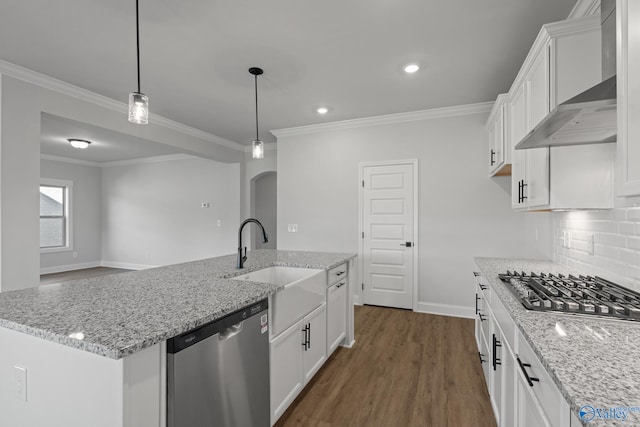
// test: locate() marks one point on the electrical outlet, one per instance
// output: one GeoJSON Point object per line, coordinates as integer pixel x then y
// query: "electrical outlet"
{"type": "Point", "coordinates": [219, 223]}
{"type": "Point", "coordinates": [292, 228]}
{"type": "Point", "coordinates": [20, 375]}
{"type": "Point", "coordinates": [74, 254]}
{"type": "Point", "coordinates": [590, 244]}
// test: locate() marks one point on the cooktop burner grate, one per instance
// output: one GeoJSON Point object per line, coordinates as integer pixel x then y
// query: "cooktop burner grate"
{"type": "Point", "coordinates": [571, 294]}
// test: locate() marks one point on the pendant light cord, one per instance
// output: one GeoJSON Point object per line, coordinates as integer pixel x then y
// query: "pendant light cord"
{"type": "Point", "coordinates": [138, 44]}
{"type": "Point", "coordinates": [256, 85]}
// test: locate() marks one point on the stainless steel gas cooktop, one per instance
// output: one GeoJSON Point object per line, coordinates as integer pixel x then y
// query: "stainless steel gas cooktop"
{"type": "Point", "coordinates": [571, 294]}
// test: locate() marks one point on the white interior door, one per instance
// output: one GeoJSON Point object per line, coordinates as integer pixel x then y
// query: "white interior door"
{"type": "Point", "coordinates": [388, 234]}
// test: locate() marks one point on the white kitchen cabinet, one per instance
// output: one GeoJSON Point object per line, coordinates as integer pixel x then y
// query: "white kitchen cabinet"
{"type": "Point", "coordinates": [499, 158]}
{"type": "Point", "coordinates": [564, 61]}
{"type": "Point", "coordinates": [628, 87]}
{"type": "Point", "coordinates": [520, 395]}
{"type": "Point", "coordinates": [336, 315]}
{"type": "Point", "coordinates": [286, 369]}
{"type": "Point", "coordinates": [296, 355]}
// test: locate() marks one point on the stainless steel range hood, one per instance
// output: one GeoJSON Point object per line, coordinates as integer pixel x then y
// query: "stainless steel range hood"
{"type": "Point", "coordinates": [590, 117]}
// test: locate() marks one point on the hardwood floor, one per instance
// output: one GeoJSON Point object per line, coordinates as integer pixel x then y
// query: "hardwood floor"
{"type": "Point", "coordinates": [406, 369]}
{"type": "Point", "coordinates": [85, 273]}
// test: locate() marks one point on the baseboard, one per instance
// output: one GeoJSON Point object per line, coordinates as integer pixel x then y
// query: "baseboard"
{"type": "Point", "coordinates": [348, 345]}
{"type": "Point", "coordinates": [70, 267]}
{"type": "Point", "coordinates": [446, 310]}
{"type": "Point", "coordinates": [127, 265]}
{"type": "Point", "coordinates": [356, 300]}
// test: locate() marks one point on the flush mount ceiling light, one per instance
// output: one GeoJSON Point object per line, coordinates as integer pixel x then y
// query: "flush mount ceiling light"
{"type": "Point", "coordinates": [411, 68]}
{"type": "Point", "coordinates": [79, 143]}
{"type": "Point", "coordinates": [322, 110]}
{"type": "Point", "coordinates": [257, 146]}
{"type": "Point", "coordinates": [138, 101]}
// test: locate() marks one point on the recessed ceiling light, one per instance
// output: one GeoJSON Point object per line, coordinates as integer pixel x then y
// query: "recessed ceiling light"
{"type": "Point", "coordinates": [322, 110]}
{"type": "Point", "coordinates": [79, 143]}
{"type": "Point", "coordinates": [411, 68]}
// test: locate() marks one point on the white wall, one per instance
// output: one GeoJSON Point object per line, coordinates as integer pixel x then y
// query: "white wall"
{"type": "Point", "coordinates": [462, 213]}
{"type": "Point", "coordinates": [265, 190]}
{"type": "Point", "coordinates": [152, 212]}
{"type": "Point", "coordinates": [616, 248]}
{"type": "Point", "coordinates": [87, 228]}
{"type": "Point", "coordinates": [250, 169]}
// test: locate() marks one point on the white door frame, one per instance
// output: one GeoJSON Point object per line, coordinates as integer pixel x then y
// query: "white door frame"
{"type": "Point", "coordinates": [358, 298]}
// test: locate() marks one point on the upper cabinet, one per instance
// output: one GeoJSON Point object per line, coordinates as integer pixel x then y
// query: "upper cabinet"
{"type": "Point", "coordinates": [564, 61]}
{"type": "Point", "coordinates": [628, 64]}
{"type": "Point", "coordinates": [499, 158]}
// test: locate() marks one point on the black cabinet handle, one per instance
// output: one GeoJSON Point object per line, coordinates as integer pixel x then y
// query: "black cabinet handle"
{"type": "Point", "coordinates": [476, 274]}
{"type": "Point", "coordinates": [526, 374]}
{"type": "Point", "coordinates": [482, 287]}
{"type": "Point", "coordinates": [304, 338]}
{"type": "Point", "coordinates": [340, 273]}
{"type": "Point", "coordinates": [520, 191]}
{"type": "Point", "coordinates": [481, 359]}
{"type": "Point", "coordinates": [339, 285]}
{"type": "Point", "coordinates": [493, 155]}
{"type": "Point", "coordinates": [481, 316]}
{"type": "Point", "coordinates": [496, 344]}
{"type": "Point", "coordinates": [524, 185]}
{"type": "Point", "coordinates": [308, 336]}
{"type": "Point", "coordinates": [477, 298]}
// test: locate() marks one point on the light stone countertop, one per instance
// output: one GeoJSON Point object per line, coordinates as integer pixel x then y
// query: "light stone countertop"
{"type": "Point", "coordinates": [597, 363]}
{"type": "Point", "coordinates": [123, 313]}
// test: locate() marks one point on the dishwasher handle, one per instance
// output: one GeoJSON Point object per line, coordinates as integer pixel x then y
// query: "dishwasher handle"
{"type": "Point", "coordinates": [231, 331]}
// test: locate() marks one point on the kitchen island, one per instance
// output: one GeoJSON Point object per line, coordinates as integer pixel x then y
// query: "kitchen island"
{"type": "Point", "coordinates": [93, 351]}
{"type": "Point", "coordinates": [593, 361]}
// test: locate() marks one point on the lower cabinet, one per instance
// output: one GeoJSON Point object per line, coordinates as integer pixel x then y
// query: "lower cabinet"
{"type": "Point", "coordinates": [336, 315]}
{"type": "Point", "coordinates": [296, 355]}
{"type": "Point", "coordinates": [521, 391]}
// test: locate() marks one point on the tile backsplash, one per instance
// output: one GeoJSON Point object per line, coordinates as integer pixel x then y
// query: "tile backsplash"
{"type": "Point", "coordinates": [603, 243]}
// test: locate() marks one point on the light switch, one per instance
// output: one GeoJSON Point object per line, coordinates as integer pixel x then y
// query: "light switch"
{"type": "Point", "coordinates": [292, 228]}
{"type": "Point", "coordinates": [205, 204]}
{"type": "Point", "coordinates": [20, 375]}
{"type": "Point", "coordinates": [219, 223]}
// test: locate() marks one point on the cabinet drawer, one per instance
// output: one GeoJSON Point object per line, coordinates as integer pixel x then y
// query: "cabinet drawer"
{"type": "Point", "coordinates": [504, 321]}
{"type": "Point", "coordinates": [544, 388]}
{"type": "Point", "coordinates": [337, 273]}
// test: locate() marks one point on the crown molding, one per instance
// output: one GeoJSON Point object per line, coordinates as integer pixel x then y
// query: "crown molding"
{"type": "Point", "coordinates": [56, 85]}
{"type": "Point", "coordinates": [146, 160]}
{"type": "Point", "coordinates": [142, 160]}
{"type": "Point", "coordinates": [585, 8]}
{"type": "Point", "coordinates": [412, 116]}
{"type": "Point", "coordinates": [70, 160]}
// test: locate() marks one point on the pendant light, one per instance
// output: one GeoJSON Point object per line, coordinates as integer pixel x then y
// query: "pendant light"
{"type": "Point", "coordinates": [138, 101]}
{"type": "Point", "coordinates": [257, 146]}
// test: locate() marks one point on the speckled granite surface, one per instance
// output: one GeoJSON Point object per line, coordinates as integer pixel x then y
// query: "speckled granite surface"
{"type": "Point", "coordinates": [597, 363]}
{"type": "Point", "coordinates": [124, 313]}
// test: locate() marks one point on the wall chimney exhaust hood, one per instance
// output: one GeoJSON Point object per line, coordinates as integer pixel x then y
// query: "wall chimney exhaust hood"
{"type": "Point", "coordinates": [590, 117]}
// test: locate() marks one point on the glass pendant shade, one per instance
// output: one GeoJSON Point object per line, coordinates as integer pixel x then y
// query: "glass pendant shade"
{"type": "Point", "coordinates": [79, 143]}
{"type": "Point", "coordinates": [257, 149]}
{"type": "Point", "coordinates": [138, 108]}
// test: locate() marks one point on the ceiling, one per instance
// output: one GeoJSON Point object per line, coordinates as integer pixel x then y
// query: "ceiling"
{"type": "Point", "coordinates": [346, 55]}
{"type": "Point", "coordinates": [106, 145]}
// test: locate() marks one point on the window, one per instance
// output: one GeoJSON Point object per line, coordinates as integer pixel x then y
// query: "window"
{"type": "Point", "coordinates": [55, 215]}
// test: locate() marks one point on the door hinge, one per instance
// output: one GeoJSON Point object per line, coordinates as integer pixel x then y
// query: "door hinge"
{"type": "Point", "coordinates": [363, 234]}
{"type": "Point", "coordinates": [363, 183]}
{"type": "Point", "coordinates": [363, 286]}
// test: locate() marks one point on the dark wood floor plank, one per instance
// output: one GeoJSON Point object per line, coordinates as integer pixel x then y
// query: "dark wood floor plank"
{"type": "Point", "coordinates": [406, 369]}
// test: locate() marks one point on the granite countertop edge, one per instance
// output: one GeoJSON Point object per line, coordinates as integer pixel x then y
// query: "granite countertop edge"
{"type": "Point", "coordinates": [249, 293]}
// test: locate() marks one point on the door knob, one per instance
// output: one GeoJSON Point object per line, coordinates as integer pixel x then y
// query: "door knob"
{"type": "Point", "coordinates": [407, 244]}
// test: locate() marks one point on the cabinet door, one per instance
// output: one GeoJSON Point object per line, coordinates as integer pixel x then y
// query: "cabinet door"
{"type": "Point", "coordinates": [336, 315]}
{"type": "Point", "coordinates": [485, 360]}
{"type": "Point", "coordinates": [315, 352]}
{"type": "Point", "coordinates": [286, 369]}
{"type": "Point", "coordinates": [530, 413]}
{"type": "Point", "coordinates": [508, 414]}
{"type": "Point", "coordinates": [628, 99]}
{"type": "Point", "coordinates": [537, 83]}
{"type": "Point", "coordinates": [495, 392]}
{"type": "Point", "coordinates": [536, 184]}
{"type": "Point", "coordinates": [518, 128]}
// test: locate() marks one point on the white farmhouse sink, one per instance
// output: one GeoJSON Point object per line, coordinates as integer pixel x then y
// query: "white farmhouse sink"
{"type": "Point", "coordinates": [304, 290]}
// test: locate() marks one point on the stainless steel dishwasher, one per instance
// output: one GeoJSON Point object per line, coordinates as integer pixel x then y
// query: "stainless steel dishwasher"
{"type": "Point", "coordinates": [218, 374]}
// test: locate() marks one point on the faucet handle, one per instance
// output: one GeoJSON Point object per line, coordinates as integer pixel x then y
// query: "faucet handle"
{"type": "Point", "coordinates": [244, 257]}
